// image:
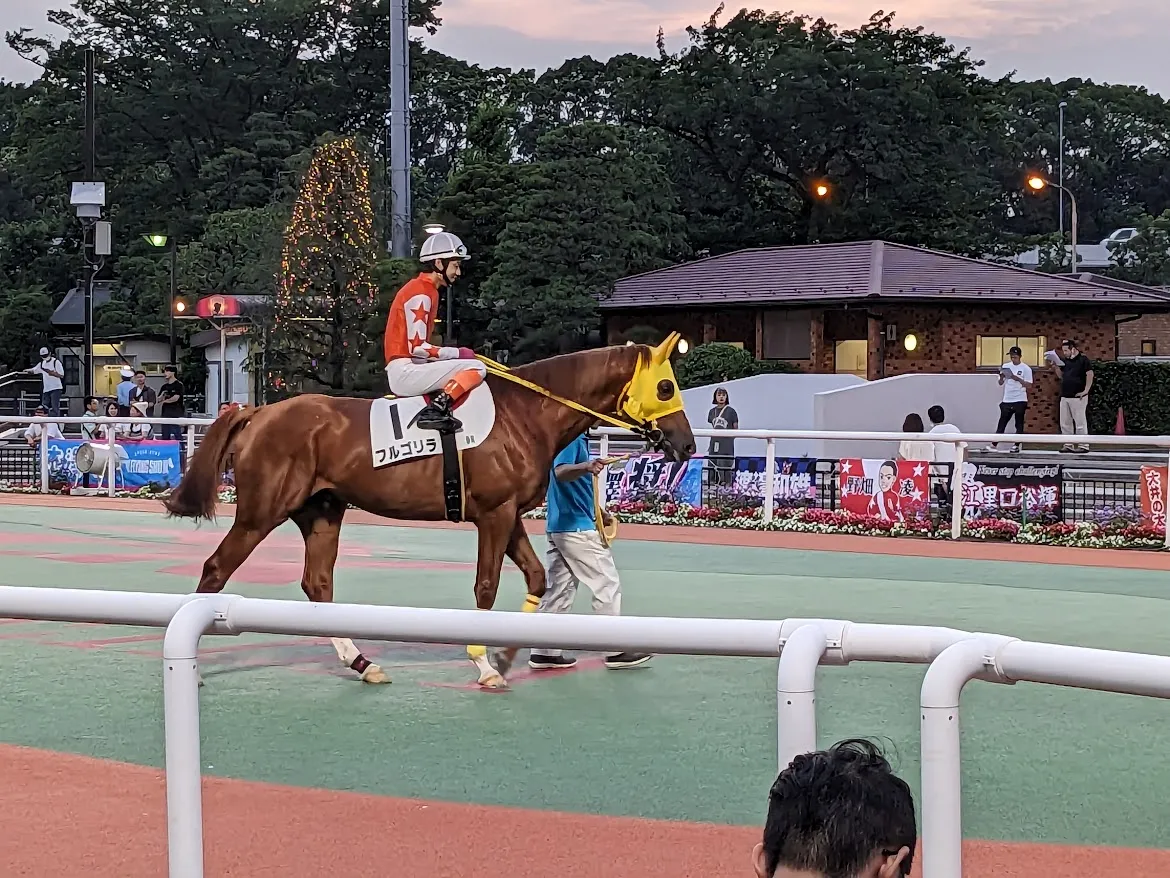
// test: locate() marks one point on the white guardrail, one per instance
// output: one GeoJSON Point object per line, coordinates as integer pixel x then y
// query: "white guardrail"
{"type": "Point", "coordinates": [954, 658]}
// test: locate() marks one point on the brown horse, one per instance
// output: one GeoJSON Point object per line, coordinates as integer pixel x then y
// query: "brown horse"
{"type": "Point", "coordinates": [308, 457]}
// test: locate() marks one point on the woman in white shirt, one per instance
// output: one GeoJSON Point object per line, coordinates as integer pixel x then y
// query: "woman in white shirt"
{"type": "Point", "coordinates": [106, 430]}
{"type": "Point", "coordinates": [136, 431]}
{"type": "Point", "coordinates": [915, 449]}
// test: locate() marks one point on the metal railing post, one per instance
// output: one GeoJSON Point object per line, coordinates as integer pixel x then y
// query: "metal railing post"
{"type": "Point", "coordinates": [957, 491]}
{"type": "Point", "coordinates": [769, 480]}
{"type": "Point", "coordinates": [43, 448]}
{"type": "Point", "coordinates": [111, 461]}
{"type": "Point", "coordinates": [796, 709]}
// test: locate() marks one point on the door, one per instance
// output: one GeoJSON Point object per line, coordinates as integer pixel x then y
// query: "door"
{"type": "Point", "coordinates": [851, 357]}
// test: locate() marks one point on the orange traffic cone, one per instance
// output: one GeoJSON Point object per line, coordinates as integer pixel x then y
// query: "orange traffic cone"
{"type": "Point", "coordinates": [1119, 427]}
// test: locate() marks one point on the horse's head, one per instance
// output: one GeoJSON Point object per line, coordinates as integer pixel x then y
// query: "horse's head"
{"type": "Point", "coordinates": [653, 402]}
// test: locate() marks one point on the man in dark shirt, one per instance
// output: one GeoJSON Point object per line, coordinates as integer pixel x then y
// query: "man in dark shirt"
{"type": "Point", "coordinates": [1076, 380]}
{"type": "Point", "coordinates": [170, 395]}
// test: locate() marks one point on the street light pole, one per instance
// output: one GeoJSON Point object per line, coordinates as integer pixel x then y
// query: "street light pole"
{"type": "Point", "coordinates": [1038, 184]}
{"type": "Point", "coordinates": [171, 309]}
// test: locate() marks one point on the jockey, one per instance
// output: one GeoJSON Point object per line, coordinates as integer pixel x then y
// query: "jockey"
{"type": "Point", "coordinates": [414, 366]}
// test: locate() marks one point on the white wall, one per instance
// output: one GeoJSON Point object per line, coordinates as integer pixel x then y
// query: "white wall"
{"type": "Point", "coordinates": [971, 402]}
{"type": "Point", "coordinates": [240, 380]}
{"type": "Point", "coordinates": [767, 402]}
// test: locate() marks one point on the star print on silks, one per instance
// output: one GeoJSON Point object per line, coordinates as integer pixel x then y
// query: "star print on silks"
{"type": "Point", "coordinates": [420, 313]}
{"type": "Point", "coordinates": [416, 341]}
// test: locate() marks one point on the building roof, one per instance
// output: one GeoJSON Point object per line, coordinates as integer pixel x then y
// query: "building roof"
{"type": "Point", "coordinates": [71, 311]}
{"type": "Point", "coordinates": [828, 273]}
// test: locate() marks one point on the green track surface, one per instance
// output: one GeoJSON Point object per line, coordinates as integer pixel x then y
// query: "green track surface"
{"type": "Point", "coordinates": [683, 738]}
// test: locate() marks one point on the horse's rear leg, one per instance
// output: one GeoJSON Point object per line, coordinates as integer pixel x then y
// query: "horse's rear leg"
{"type": "Point", "coordinates": [241, 540]}
{"type": "Point", "coordinates": [495, 531]}
{"type": "Point", "coordinates": [320, 523]}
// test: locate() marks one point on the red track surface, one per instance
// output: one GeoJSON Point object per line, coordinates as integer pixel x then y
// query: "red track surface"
{"type": "Point", "coordinates": [70, 815]}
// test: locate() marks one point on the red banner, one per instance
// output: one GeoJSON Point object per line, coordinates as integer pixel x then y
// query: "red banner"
{"type": "Point", "coordinates": [890, 489]}
{"type": "Point", "coordinates": [1154, 495]}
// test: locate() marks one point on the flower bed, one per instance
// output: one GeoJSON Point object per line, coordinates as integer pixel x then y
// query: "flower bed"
{"type": "Point", "coordinates": [1116, 532]}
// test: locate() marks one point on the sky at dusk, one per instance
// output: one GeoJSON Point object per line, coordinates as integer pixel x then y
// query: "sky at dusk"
{"type": "Point", "coordinates": [1117, 41]}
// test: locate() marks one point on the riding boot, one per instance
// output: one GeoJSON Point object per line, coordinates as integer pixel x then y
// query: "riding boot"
{"type": "Point", "coordinates": [437, 415]}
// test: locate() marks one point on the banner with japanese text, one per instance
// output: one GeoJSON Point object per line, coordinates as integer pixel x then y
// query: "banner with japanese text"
{"type": "Point", "coordinates": [990, 488]}
{"type": "Point", "coordinates": [794, 480]}
{"type": "Point", "coordinates": [148, 462]}
{"type": "Point", "coordinates": [652, 474]}
{"type": "Point", "coordinates": [890, 489]}
{"type": "Point", "coordinates": [1153, 494]}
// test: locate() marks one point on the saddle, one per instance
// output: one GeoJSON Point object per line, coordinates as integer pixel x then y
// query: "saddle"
{"type": "Point", "coordinates": [395, 438]}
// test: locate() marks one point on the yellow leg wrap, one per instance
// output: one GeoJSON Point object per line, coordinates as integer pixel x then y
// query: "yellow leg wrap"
{"type": "Point", "coordinates": [531, 602]}
{"type": "Point", "coordinates": [475, 652]}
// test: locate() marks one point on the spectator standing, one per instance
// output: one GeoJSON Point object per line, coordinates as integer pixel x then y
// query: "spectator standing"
{"type": "Point", "coordinates": [576, 552]}
{"type": "Point", "coordinates": [835, 813]}
{"type": "Point", "coordinates": [171, 403]}
{"type": "Point", "coordinates": [722, 449]}
{"type": "Point", "coordinates": [142, 392]}
{"type": "Point", "coordinates": [1076, 380]}
{"type": "Point", "coordinates": [52, 381]}
{"type": "Point", "coordinates": [1015, 377]}
{"type": "Point", "coordinates": [125, 387]}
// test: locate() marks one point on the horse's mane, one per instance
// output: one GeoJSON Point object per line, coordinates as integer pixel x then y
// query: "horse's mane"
{"type": "Point", "coordinates": [566, 374]}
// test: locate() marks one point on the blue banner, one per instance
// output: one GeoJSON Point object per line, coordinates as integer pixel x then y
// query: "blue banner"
{"type": "Point", "coordinates": [793, 481]}
{"type": "Point", "coordinates": [139, 464]}
{"type": "Point", "coordinates": [653, 475]}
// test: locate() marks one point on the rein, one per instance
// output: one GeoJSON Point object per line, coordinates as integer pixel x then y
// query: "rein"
{"type": "Point", "coordinates": [502, 371]}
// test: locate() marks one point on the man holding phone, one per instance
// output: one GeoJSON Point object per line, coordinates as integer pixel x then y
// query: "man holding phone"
{"type": "Point", "coordinates": [577, 552]}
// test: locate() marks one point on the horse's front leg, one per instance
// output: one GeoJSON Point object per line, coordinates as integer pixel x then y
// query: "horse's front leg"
{"type": "Point", "coordinates": [523, 556]}
{"type": "Point", "coordinates": [495, 530]}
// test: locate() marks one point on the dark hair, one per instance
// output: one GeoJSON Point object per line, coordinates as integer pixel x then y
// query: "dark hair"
{"type": "Point", "coordinates": [913, 423]}
{"type": "Point", "coordinates": [140, 372]}
{"type": "Point", "coordinates": [830, 812]}
{"type": "Point", "coordinates": [88, 400]}
{"type": "Point", "coordinates": [936, 414]}
{"type": "Point", "coordinates": [171, 367]}
{"type": "Point", "coordinates": [1069, 343]}
{"type": "Point", "coordinates": [715, 395]}
{"type": "Point", "coordinates": [1015, 349]}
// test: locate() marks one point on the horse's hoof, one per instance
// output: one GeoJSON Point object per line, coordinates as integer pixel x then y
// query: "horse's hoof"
{"type": "Point", "coordinates": [493, 682]}
{"type": "Point", "coordinates": [374, 674]}
{"type": "Point", "coordinates": [199, 677]}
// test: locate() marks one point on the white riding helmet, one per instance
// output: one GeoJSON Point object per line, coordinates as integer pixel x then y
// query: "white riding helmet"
{"type": "Point", "coordinates": [443, 245]}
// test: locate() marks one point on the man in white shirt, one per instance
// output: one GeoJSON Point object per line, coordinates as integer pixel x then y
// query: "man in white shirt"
{"type": "Point", "coordinates": [52, 375]}
{"type": "Point", "coordinates": [1015, 377]}
{"type": "Point", "coordinates": [944, 453]}
{"type": "Point", "coordinates": [34, 432]}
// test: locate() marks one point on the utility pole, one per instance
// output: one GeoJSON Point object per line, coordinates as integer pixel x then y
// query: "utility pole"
{"type": "Point", "coordinates": [1060, 173]}
{"type": "Point", "coordinates": [399, 134]}
{"type": "Point", "coordinates": [88, 235]}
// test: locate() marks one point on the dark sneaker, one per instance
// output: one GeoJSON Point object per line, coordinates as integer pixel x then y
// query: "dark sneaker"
{"type": "Point", "coordinates": [550, 662]}
{"type": "Point", "coordinates": [626, 660]}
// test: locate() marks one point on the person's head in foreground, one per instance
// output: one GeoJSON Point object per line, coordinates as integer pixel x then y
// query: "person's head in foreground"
{"type": "Point", "coordinates": [838, 813]}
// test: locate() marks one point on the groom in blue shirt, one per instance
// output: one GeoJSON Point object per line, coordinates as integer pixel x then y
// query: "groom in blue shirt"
{"type": "Point", "coordinates": [577, 553]}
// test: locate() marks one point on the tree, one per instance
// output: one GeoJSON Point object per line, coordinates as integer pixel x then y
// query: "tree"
{"type": "Point", "coordinates": [716, 362]}
{"type": "Point", "coordinates": [24, 325]}
{"type": "Point", "coordinates": [766, 106]}
{"type": "Point", "coordinates": [595, 205]}
{"type": "Point", "coordinates": [327, 287]}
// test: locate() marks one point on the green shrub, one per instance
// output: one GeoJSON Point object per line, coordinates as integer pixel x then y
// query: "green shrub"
{"type": "Point", "coordinates": [716, 362]}
{"type": "Point", "coordinates": [1142, 389]}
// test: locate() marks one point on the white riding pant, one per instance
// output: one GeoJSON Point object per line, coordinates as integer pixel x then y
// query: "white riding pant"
{"type": "Point", "coordinates": [410, 378]}
{"type": "Point", "coordinates": [579, 558]}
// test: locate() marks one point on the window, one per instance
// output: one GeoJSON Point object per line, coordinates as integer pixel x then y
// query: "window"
{"type": "Point", "coordinates": [1149, 347]}
{"type": "Point", "coordinates": [72, 366]}
{"type": "Point", "coordinates": [787, 335]}
{"type": "Point", "coordinates": [991, 351]}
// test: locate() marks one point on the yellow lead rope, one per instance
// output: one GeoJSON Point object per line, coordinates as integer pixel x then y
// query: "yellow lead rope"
{"type": "Point", "coordinates": [502, 371]}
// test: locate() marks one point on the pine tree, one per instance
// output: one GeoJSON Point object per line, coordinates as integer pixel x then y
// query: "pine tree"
{"type": "Point", "coordinates": [326, 285]}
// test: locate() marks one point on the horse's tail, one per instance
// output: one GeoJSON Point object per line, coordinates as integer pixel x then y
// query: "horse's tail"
{"type": "Point", "coordinates": [198, 490]}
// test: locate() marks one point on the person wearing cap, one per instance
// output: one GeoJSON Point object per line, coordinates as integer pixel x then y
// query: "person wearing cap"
{"type": "Point", "coordinates": [1076, 380]}
{"type": "Point", "coordinates": [35, 432]}
{"type": "Point", "coordinates": [1015, 377]}
{"type": "Point", "coordinates": [137, 430]}
{"type": "Point", "coordinates": [52, 381]}
{"type": "Point", "coordinates": [414, 366]}
{"type": "Point", "coordinates": [125, 387]}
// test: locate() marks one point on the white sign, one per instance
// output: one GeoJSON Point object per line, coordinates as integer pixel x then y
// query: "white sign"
{"type": "Point", "coordinates": [393, 441]}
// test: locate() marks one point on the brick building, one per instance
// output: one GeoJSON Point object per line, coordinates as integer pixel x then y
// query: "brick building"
{"type": "Point", "coordinates": [876, 310]}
